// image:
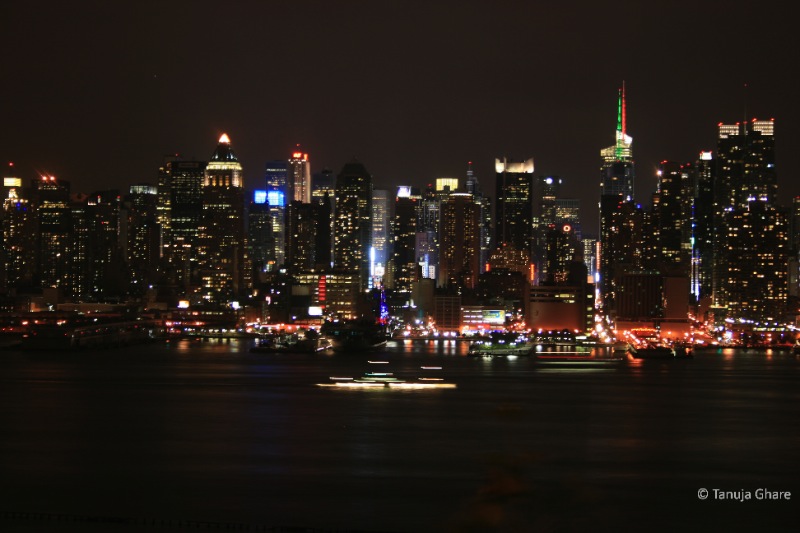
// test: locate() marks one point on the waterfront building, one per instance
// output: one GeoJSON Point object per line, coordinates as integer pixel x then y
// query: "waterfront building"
{"type": "Point", "coordinates": [299, 179]}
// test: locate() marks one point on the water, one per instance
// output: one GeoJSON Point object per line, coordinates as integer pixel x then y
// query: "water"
{"type": "Point", "coordinates": [208, 432]}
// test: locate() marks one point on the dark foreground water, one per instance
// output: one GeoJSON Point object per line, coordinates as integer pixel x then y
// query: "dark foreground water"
{"type": "Point", "coordinates": [207, 436]}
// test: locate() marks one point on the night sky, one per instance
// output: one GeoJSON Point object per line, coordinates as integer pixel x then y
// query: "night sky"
{"type": "Point", "coordinates": [97, 93]}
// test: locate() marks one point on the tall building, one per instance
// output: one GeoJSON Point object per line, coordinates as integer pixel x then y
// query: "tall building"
{"type": "Point", "coordinates": [473, 187]}
{"type": "Point", "coordinates": [751, 249]}
{"type": "Point", "coordinates": [278, 197]}
{"type": "Point", "coordinates": [353, 224]}
{"type": "Point", "coordinates": [299, 177]}
{"type": "Point", "coordinates": [186, 212]}
{"type": "Point", "coordinates": [514, 203]}
{"type": "Point", "coordinates": [460, 242]}
{"type": "Point", "coordinates": [221, 254]}
{"type": "Point", "coordinates": [703, 229]}
{"type": "Point", "coordinates": [260, 239]}
{"type": "Point", "coordinates": [142, 236]}
{"type": "Point", "coordinates": [54, 256]}
{"type": "Point", "coordinates": [674, 218]}
{"type": "Point", "coordinates": [404, 239]}
{"type": "Point", "coordinates": [379, 254]}
{"type": "Point", "coordinates": [18, 227]}
{"type": "Point", "coordinates": [164, 202]}
{"type": "Point", "coordinates": [620, 218]}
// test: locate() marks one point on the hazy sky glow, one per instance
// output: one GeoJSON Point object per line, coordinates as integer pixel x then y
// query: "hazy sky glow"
{"type": "Point", "coordinates": [96, 93]}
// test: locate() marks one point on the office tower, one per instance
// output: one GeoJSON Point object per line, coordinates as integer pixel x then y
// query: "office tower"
{"type": "Point", "coordinates": [473, 187]}
{"type": "Point", "coordinates": [164, 202]}
{"type": "Point", "coordinates": [323, 182]}
{"type": "Point", "coordinates": [703, 229]}
{"type": "Point", "coordinates": [353, 224]}
{"type": "Point", "coordinates": [299, 179]}
{"type": "Point", "coordinates": [514, 203]}
{"type": "Point", "coordinates": [53, 217]}
{"type": "Point", "coordinates": [459, 242]}
{"type": "Point", "coordinates": [751, 252]}
{"type": "Point", "coordinates": [561, 251]}
{"type": "Point", "coordinates": [18, 233]}
{"type": "Point", "coordinates": [301, 237]}
{"type": "Point", "coordinates": [108, 275]}
{"type": "Point", "coordinates": [546, 190]}
{"type": "Point", "coordinates": [143, 236]}
{"type": "Point", "coordinates": [323, 249]}
{"type": "Point", "coordinates": [260, 239]}
{"type": "Point", "coordinates": [673, 215]}
{"type": "Point", "coordinates": [221, 252]}
{"type": "Point", "coordinates": [380, 235]}
{"type": "Point", "coordinates": [186, 212]}
{"type": "Point", "coordinates": [568, 211]}
{"type": "Point", "coordinates": [427, 240]}
{"type": "Point", "coordinates": [404, 239]}
{"type": "Point", "coordinates": [277, 178]}
{"type": "Point", "coordinates": [620, 219]}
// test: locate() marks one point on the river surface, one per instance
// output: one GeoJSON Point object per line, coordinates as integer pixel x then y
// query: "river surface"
{"type": "Point", "coordinates": [205, 434]}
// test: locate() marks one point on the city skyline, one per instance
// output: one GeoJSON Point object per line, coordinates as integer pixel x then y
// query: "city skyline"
{"type": "Point", "coordinates": [413, 91]}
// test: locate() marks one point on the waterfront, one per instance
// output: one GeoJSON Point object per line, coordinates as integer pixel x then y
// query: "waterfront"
{"type": "Point", "coordinates": [206, 431]}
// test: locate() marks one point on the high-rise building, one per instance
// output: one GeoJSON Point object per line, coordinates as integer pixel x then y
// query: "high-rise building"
{"type": "Point", "coordinates": [514, 203]}
{"type": "Point", "coordinates": [404, 239]}
{"type": "Point", "coordinates": [186, 212]}
{"type": "Point", "coordinates": [460, 242]}
{"type": "Point", "coordinates": [54, 255]}
{"type": "Point", "coordinates": [278, 198]}
{"type": "Point", "coordinates": [473, 187]}
{"type": "Point", "coordinates": [143, 236]}
{"type": "Point", "coordinates": [703, 229]}
{"type": "Point", "coordinates": [260, 240]}
{"type": "Point", "coordinates": [353, 224]}
{"type": "Point", "coordinates": [620, 218]}
{"type": "Point", "coordinates": [221, 254]}
{"type": "Point", "coordinates": [164, 202]}
{"type": "Point", "coordinates": [751, 245]}
{"type": "Point", "coordinates": [673, 215]}
{"type": "Point", "coordinates": [299, 177]}
{"type": "Point", "coordinates": [18, 227]}
{"type": "Point", "coordinates": [380, 235]}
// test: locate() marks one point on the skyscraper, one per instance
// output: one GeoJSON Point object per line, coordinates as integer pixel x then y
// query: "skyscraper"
{"type": "Point", "coordinates": [460, 242]}
{"type": "Point", "coordinates": [620, 218]}
{"type": "Point", "coordinates": [751, 245]}
{"type": "Point", "coordinates": [380, 234]}
{"type": "Point", "coordinates": [353, 224]}
{"type": "Point", "coordinates": [404, 238]}
{"type": "Point", "coordinates": [299, 177]}
{"type": "Point", "coordinates": [514, 204]}
{"type": "Point", "coordinates": [186, 211]}
{"type": "Point", "coordinates": [278, 197]}
{"type": "Point", "coordinates": [221, 254]}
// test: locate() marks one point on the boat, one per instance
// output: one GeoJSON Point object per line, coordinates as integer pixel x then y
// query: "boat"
{"type": "Point", "coordinates": [302, 342]}
{"type": "Point", "coordinates": [500, 344]}
{"type": "Point", "coordinates": [387, 380]}
{"type": "Point", "coordinates": [556, 358]}
{"type": "Point", "coordinates": [653, 352]}
{"type": "Point", "coordinates": [354, 336]}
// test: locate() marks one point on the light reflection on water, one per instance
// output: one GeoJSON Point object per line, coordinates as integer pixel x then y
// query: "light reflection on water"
{"type": "Point", "coordinates": [207, 430]}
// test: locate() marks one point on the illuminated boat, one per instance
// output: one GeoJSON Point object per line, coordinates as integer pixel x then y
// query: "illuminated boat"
{"type": "Point", "coordinates": [355, 336]}
{"type": "Point", "coordinates": [309, 342]}
{"type": "Point", "coordinates": [653, 352]}
{"type": "Point", "coordinates": [502, 344]}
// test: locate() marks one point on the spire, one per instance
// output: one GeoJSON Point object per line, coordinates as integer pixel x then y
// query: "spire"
{"type": "Point", "coordinates": [223, 151]}
{"type": "Point", "coordinates": [623, 108]}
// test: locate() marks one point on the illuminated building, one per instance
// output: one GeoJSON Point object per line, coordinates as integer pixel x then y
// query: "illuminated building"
{"type": "Point", "coordinates": [278, 197]}
{"type": "Point", "coordinates": [561, 251]}
{"type": "Point", "coordinates": [186, 212]}
{"type": "Point", "coordinates": [703, 229]}
{"type": "Point", "coordinates": [299, 178]}
{"type": "Point", "coordinates": [260, 239]}
{"type": "Point", "coordinates": [751, 245]}
{"type": "Point", "coordinates": [18, 223]}
{"type": "Point", "coordinates": [164, 202]}
{"type": "Point", "coordinates": [143, 236]}
{"type": "Point", "coordinates": [620, 219]}
{"type": "Point", "coordinates": [105, 261]}
{"type": "Point", "coordinates": [673, 218]}
{"type": "Point", "coordinates": [308, 237]}
{"type": "Point", "coordinates": [404, 239]}
{"type": "Point", "coordinates": [380, 234]}
{"type": "Point", "coordinates": [53, 217]}
{"type": "Point", "coordinates": [353, 224]}
{"type": "Point", "coordinates": [473, 187]}
{"type": "Point", "coordinates": [336, 293]}
{"type": "Point", "coordinates": [427, 239]}
{"type": "Point", "coordinates": [459, 242]}
{"type": "Point", "coordinates": [221, 251]}
{"type": "Point", "coordinates": [514, 203]}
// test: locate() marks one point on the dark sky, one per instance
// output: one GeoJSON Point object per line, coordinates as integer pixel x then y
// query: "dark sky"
{"type": "Point", "coordinates": [98, 92]}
